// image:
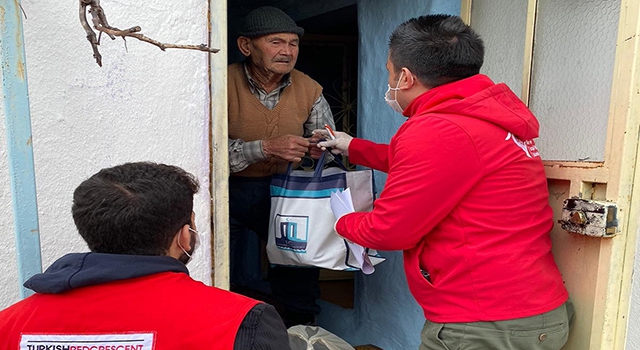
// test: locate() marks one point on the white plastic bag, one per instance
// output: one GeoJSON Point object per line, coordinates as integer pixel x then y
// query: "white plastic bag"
{"type": "Point", "coordinates": [315, 338]}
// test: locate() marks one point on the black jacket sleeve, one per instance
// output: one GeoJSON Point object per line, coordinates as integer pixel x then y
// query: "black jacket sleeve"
{"type": "Point", "coordinates": [262, 329]}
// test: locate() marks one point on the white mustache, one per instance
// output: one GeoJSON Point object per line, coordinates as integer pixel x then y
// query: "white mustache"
{"type": "Point", "coordinates": [282, 59]}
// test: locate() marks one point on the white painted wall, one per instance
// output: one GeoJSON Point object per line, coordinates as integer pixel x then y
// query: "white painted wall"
{"type": "Point", "coordinates": [142, 105]}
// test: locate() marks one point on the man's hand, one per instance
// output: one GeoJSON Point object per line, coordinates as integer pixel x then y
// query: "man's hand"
{"type": "Point", "coordinates": [338, 146]}
{"type": "Point", "coordinates": [288, 147]}
{"type": "Point", "coordinates": [314, 151]}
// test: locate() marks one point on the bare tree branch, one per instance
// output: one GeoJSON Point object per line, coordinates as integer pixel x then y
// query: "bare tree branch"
{"type": "Point", "coordinates": [91, 35]}
{"type": "Point", "coordinates": [133, 32]}
{"type": "Point", "coordinates": [100, 24]}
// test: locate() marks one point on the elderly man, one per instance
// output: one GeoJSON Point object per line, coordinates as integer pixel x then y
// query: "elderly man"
{"type": "Point", "coordinates": [133, 290]}
{"type": "Point", "coordinates": [273, 108]}
{"type": "Point", "coordinates": [465, 199]}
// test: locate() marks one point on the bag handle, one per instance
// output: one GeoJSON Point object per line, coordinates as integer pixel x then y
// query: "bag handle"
{"type": "Point", "coordinates": [317, 172]}
{"type": "Point", "coordinates": [320, 165]}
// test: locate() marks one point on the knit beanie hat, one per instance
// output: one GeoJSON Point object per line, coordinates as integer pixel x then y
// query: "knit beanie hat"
{"type": "Point", "coordinates": [268, 20]}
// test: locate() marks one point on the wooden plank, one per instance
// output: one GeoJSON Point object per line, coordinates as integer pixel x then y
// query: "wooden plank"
{"type": "Point", "coordinates": [465, 10]}
{"type": "Point", "coordinates": [527, 66]}
{"type": "Point", "coordinates": [621, 156]}
{"type": "Point", "coordinates": [579, 172]}
{"type": "Point", "coordinates": [577, 258]}
{"type": "Point", "coordinates": [219, 145]}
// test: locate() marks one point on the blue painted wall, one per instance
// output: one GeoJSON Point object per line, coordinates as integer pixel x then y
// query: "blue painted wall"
{"type": "Point", "coordinates": [385, 314]}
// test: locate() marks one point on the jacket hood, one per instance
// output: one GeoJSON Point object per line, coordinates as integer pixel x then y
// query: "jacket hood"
{"type": "Point", "coordinates": [86, 269]}
{"type": "Point", "coordinates": [479, 97]}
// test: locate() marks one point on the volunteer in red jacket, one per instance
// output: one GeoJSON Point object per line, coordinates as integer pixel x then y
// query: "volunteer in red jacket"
{"type": "Point", "coordinates": [465, 199]}
{"type": "Point", "coordinates": [133, 290]}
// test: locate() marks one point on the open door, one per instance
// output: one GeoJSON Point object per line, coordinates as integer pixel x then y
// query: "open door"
{"type": "Point", "coordinates": [575, 63]}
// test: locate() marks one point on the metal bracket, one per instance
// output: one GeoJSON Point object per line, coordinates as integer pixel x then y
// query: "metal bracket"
{"type": "Point", "coordinates": [589, 217]}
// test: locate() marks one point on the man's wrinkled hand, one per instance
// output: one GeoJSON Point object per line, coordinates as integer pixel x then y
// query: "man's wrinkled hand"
{"type": "Point", "coordinates": [288, 147]}
{"type": "Point", "coordinates": [314, 151]}
{"type": "Point", "coordinates": [338, 146]}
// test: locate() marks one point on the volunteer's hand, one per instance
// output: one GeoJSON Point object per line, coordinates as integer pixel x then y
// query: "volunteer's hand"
{"type": "Point", "coordinates": [288, 147]}
{"type": "Point", "coordinates": [314, 151]}
{"type": "Point", "coordinates": [338, 146]}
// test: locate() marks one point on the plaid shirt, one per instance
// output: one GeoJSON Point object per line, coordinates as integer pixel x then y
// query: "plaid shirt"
{"type": "Point", "coordinates": [242, 154]}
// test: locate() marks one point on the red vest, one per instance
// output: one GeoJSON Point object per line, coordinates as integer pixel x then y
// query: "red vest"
{"type": "Point", "coordinates": [167, 310]}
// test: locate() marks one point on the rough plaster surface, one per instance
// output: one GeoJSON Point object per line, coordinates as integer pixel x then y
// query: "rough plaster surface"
{"type": "Point", "coordinates": [142, 105]}
{"type": "Point", "coordinates": [385, 314]}
{"type": "Point", "coordinates": [9, 289]}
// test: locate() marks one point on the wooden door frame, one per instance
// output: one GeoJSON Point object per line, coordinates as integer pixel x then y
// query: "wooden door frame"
{"type": "Point", "coordinates": [219, 148]}
{"type": "Point", "coordinates": [617, 171]}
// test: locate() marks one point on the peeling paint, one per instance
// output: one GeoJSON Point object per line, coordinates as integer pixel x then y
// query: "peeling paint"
{"type": "Point", "coordinates": [19, 152]}
{"type": "Point", "coordinates": [18, 22]}
{"type": "Point", "coordinates": [574, 165]}
{"type": "Point", "coordinates": [20, 69]}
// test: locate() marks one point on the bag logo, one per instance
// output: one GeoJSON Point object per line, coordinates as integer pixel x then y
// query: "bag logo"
{"type": "Point", "coordinates": [292, 232]}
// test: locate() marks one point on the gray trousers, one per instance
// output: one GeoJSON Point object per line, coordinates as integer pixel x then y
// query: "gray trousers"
{"type": "Point", "coordinates": [548, 331]}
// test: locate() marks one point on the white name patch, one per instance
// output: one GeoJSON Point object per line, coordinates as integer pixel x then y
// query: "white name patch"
{"type": "Point", "coordinates": [121, 341]}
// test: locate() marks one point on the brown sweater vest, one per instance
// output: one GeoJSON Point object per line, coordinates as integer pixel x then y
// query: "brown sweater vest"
{"type": "Point", "coordinates": [250, 120]}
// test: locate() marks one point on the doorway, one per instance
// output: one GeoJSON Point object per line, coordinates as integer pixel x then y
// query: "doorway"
{"type": "Point", "coordinates": [329, 55]}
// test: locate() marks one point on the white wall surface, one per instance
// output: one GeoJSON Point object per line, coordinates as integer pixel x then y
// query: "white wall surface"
{"type": "Point", "coordinates": [142, 105]}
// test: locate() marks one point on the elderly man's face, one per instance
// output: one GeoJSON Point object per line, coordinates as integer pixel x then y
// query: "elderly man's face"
{"type": "Point", "coordinates": [276, 53]}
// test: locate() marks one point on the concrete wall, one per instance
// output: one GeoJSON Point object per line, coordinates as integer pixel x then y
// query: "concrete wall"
{"type": "Point", "coordinates": [142, 105]}
{"type": "Point", "coordinates": [386, 314]}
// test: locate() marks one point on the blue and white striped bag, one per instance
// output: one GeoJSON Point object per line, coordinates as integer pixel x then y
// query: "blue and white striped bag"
{"type": "Point", "coordinates": [301, 227]}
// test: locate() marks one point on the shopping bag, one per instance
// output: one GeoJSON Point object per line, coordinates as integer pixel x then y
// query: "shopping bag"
{"type": "Point", "coordinates": [301, 223]}
{"type": "Point", "coordinates": [315, 338]}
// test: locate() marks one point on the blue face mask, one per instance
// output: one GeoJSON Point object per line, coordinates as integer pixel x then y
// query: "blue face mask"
{"type": "Point", "coordinates": [393, 103]}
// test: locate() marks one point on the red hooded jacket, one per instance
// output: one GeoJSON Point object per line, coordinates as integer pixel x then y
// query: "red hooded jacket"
{"type": "Point", "coordinates": [466, 200]}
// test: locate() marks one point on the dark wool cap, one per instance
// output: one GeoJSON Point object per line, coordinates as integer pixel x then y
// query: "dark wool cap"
{"type": "Point", "coordinates": [268, 20]}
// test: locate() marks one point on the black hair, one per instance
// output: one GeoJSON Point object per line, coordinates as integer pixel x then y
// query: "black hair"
{"type": "Point", "coordinates": [134, 208]}
{"type": "Point", "coordinates": [437, 49]}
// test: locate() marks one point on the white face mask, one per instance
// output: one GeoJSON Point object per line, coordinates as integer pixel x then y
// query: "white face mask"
{"type": "Point", "coordinates": [194, 242]}
{"type": "Point", "coordinates": [393, 103]}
